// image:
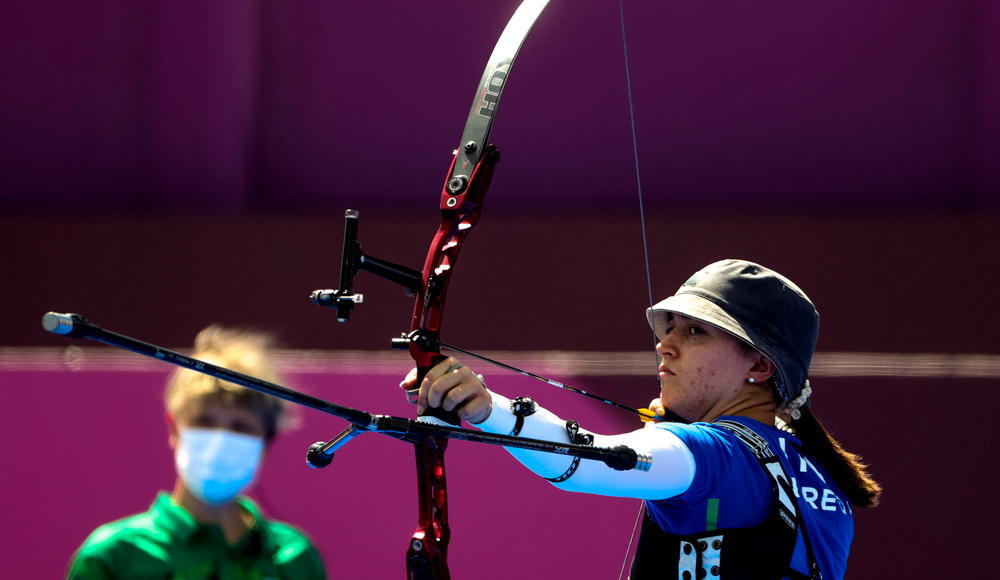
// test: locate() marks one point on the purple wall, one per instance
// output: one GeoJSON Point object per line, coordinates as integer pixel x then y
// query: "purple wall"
{"type": "Point", "coordinates": [194, 106]}
{"type": "Point", "coordinates": [988, 110]}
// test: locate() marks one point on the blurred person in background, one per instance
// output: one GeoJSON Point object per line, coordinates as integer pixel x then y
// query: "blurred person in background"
{"type": "Point", "coordinates": [204, 528]}
{"type": "Point", "coordinates": [745, 482]}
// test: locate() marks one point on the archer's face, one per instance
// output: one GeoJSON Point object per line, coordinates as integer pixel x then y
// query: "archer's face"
{"type": "Point", "coordinates": [702, 367]}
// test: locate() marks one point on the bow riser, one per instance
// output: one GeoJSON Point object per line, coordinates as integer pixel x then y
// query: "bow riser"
{"type": "Point", "coordinates": [426, 556]}
{"type": "Point", "coordinates": [459, 214]}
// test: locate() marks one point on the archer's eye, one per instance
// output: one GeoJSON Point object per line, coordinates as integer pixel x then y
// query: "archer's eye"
{"type": "Point", "coordinates": [695, 330]}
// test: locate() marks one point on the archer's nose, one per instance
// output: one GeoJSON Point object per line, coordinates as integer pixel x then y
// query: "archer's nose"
{"type": "Point", "coordinates": [666, 348]}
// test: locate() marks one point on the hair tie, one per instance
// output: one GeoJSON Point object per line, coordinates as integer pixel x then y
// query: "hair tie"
{"type": "Point", "coordinates": [793, 406]}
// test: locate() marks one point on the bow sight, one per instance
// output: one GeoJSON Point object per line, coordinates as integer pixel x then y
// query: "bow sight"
{"type": "Point", "coordinates": [354, 259]}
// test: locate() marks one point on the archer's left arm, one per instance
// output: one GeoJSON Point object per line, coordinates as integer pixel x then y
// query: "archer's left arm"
{"type": "Point", "coordinates": [454, 386]}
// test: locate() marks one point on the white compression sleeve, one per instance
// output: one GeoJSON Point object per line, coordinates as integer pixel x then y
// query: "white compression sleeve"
{"type": "Point", "coordinates": [671, 473]}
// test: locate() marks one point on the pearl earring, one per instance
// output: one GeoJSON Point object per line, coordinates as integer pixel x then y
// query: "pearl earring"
{"type": "Point", "coordinates": [751, 380]}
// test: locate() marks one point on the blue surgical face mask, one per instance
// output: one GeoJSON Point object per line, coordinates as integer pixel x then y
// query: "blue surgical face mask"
{"type": "Point", "coordinates": [217, 464]}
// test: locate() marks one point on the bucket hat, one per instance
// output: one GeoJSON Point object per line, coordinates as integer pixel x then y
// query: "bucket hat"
{"type": "Point", "coordinates": [756, 305]}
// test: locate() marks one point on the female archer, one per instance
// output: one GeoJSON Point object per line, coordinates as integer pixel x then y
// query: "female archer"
{"type": "Point", "coordinates": [750, 484]}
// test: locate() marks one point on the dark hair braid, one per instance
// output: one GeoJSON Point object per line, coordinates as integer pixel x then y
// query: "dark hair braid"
{"type": "Point", "coordinates": [846, 468]}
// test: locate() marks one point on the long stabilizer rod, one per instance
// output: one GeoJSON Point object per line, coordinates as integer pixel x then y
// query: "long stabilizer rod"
{"type": "Point", "coordinates": [77, 326]}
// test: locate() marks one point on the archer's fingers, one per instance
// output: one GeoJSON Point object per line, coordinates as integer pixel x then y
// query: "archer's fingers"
{"type": "Point", "coordinates": [409, 382]}
{"type": "Point", "coordinates": [477, 408]}
{"type": "Point", "coordinates": [443, 377]}
{"type": "Point", "coordinates": [452, 381]}
{"type": "Point", "coordinates": [464, 393]}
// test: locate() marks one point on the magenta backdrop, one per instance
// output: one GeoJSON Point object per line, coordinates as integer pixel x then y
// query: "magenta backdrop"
{"type": "Point", "coordinates": [85, 447]}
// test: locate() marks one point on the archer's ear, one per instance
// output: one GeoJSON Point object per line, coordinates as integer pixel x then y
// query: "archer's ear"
{"type": "Point", "coordinates": [762, 369]}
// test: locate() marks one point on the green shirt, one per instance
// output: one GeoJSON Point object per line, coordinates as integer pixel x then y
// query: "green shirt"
{"type": "Point", "coordinates": [166, 542]}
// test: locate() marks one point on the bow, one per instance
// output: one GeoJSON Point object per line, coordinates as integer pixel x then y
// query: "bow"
{"type": "Point", "coordinates": [461, 201]}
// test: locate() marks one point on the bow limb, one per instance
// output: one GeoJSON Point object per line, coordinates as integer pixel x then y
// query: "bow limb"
{"type": "Point", "coordinates": [465, 187]}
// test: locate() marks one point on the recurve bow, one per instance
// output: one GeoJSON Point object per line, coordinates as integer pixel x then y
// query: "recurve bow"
{"type": "Point", "coordinates": [461, 203]}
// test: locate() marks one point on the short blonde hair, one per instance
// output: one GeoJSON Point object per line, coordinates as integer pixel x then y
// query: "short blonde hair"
{"type": "Point", "coordinates": [241, 350]}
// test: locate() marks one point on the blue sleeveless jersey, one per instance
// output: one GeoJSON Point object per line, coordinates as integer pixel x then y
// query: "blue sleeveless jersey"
{"type": "Point", "coordinates": [732, 490]}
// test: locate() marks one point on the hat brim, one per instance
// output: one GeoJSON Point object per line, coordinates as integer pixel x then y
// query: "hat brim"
{"type": "Point", "coordinates": [704, 310]}
{"type": "Point", "coordinates": [699, 308]}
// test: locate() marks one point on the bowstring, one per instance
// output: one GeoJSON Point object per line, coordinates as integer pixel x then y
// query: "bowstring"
{"type": "Point", "coordinates": [642, 221]}
{"type": "Point", "coordinates": [635, 155]}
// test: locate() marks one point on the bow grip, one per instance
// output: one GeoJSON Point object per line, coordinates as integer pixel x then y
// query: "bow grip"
{"type": "Point", "coordinates": [450, 417]}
